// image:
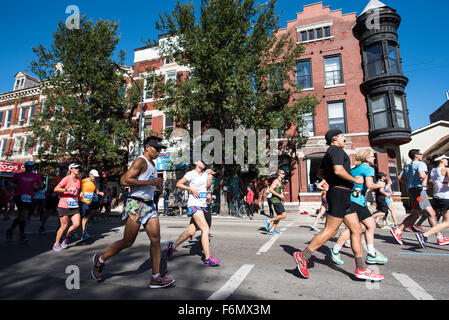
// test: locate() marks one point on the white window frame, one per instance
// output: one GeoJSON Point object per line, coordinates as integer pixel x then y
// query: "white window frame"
{"type": "Point", "coordinates": [29, 113]}
{"type": "Point", "coordinates": [8, 114]}
{"type": "Point", "coordinates": [3, 143]}
{"type": "Point", "coordinates": [17, 148]}
{"type": "Point", "coordinates": [22, 114]}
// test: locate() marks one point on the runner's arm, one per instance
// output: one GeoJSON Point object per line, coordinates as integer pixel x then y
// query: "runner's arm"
{"type": "Point", "coordinates": [343, 174]}
{"type": "Point", "coordinates": [181, 185]}
{"type": "Point", "coordinates": [129, 178]}
{"type": "Point", "coordinates": [371, 185]}
{"type": "Point", "coordinates": [273, 186]}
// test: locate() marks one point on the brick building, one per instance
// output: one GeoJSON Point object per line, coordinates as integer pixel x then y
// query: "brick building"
{"type": "Point", "coordinates": [355, 70]}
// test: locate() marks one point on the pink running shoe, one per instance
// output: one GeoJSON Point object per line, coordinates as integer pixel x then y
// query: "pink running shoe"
{"type": "Point", "coordinates": [397, 236]}
{"type": "Point", "coordinates": [443, 242]}
{"type": "Point", "coordinates": [302, 264]}
{"type": "Point", "coordinates": [211, 262]}
{"type": "Point", "coordinates": [368, 274]}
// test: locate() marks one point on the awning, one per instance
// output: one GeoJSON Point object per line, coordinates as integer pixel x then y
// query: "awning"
{"type": "Point", "coordinates": [11, 168]}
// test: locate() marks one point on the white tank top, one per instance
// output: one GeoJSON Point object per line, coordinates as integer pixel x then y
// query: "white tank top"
{"type": "Point", "coordinates": [440, 183]}
{"type": "Point", "coordinates": [145, 192]}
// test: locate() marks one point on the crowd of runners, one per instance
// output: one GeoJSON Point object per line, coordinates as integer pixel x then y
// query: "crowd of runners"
{"type": "Point", "coordinates": [344, 188]}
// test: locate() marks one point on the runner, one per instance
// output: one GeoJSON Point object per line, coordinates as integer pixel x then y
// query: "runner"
{"type": "Point", "coordinates": [38, 203]}
{"type": "Point", "coordinates": [26, 184]}
{"type": "Point", "coordinates": [324, 187]}
{"type": "Point", "coordinates": [52, 198]}
{"type": "Point", "coordinates": [440, 179]}
{"type": "Point", "coordinates": [363, 169]}
{"type": "Point", "coordinates": [89, 192]}
{"type": "Point", "coordinates": [249, 199]}
{"type": "Point", "coordinates": [199, 182]}
{"type": "Point", "coordinates": [335, 169]}
{"type": "Point", "coordinates": [390, 206]}
{"type": "Point", "coordinates": [381, 198]}
{"type": "Point", "coordinates": [139, 210]}
{"type": "Point", "coordinates": [416, 178]}
{"type": "Point", "coordinates": [277, 191]}
{"type": "Point", "coordinates": [68, 206]}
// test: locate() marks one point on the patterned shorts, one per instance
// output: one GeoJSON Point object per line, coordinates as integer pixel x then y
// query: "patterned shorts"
{"type": "Point", "coordinates": [192, 210]}
{"type": "Point", "coordinates": [139, 212]}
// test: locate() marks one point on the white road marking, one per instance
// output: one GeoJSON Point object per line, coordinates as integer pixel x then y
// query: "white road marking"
{"type": "Point", "coordinates": [415, 289]}
{"type": "Point", "coordinates": [233, 283]}
{"type": "Point", "coordinates": [268, 245]}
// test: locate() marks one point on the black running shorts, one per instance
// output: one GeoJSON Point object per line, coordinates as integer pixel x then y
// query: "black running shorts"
{"type": "Point", "coordinates": [339, 201]}
{"type": "Point", "coordinates": [362, 212]}
{"type": "Point", "coordinates": [382, 206]}
{"type": "Point", "coordinates": [279, 208]}
{"type": "Point", "coordinates": [441, 204]}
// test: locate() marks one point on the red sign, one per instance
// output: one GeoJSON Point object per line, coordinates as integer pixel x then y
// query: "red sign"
{"type": "Point", "coordinates": [10, 167]}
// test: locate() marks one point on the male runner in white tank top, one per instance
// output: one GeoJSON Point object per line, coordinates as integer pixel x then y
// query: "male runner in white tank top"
{"type": "Point", "coordinates": [139, 210]}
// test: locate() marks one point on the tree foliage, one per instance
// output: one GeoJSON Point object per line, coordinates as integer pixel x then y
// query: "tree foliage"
{"type": "Point", "coordinates": [87, 113]}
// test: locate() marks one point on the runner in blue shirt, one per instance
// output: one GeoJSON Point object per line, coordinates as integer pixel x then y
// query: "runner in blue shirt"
{"type": "Point", "coordinates": [358, 204]}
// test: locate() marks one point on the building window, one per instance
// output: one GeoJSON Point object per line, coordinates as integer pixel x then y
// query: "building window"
{"type": "Point", "coordinates": [1, 119]}
{"type": "Point", "coordinates": [311, 34]}
{"type": "Point", "coordinates": [8, 118]}
{"type": "Point", "coordinates": [303, 36]}
{"type": "Point", "coordinates": [304, 74]}
{"type": "Point", "coordinates": [148, 91]}
{"type": "Point", "coordinates": [4, 144]}
{"type": "Point", "coordinates": [327, 32]}
{"type": "Point", "coordinates": [31, 114]}
{"type": "Point", "coordinates": [374, 60]}
{"type": "Point", "coordinates": [379, 106]}
{"type": "Point", "coordinates": [313, 165]}
{"type": "Point", "coordinates": [26, 146]}
{"type": "Point", "coordinates": [332, 71]}
{"type": "Point", "coordinates": [399, 110]}
{"type": "Point", "coordinates": [22, 116]}
{"type": "Point", "coordinates": [171, 76]}
{"type": "Point", "coordinates": [308, 130]}
{"type": "Point", "coordinates": [169, 122]}
{"type": "Point", "coordinates": [336, 115]}
{"type": "Point", "coordinates": [17, 146]}
{"type": "Point", "coordinates": [393, 60]}
{"type": "Point", "coordinates": [319, 33]}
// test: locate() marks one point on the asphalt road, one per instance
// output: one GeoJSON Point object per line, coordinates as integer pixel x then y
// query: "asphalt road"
{"type": "Point", "coordinates": [255, 266]}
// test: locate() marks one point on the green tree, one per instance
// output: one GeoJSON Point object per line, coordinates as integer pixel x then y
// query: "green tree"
{"type": "Point", "coordinates": [87, 113]}
{"type": "Point", "coordinates": [243, 71]}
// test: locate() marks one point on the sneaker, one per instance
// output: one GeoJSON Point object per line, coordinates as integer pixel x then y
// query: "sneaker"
{"type": "Point", "coordinates": [161, 282]}
{"type": "Point", "coordinates": [74, 236]}
{"type": "Point", "coordinates": [22, 238]}
{"type": "Point", "coordinates": [9, 235]}
{"type": "Point", "coordinates": [302, 264]}
{"type": "Point", "coordinates": [64, 243]}
{"type": "Point", "coordinates": [335, 257]}
{"type": "Point", "coordinates": [397, 236]}
{"type": "Point", "coordinates": [418, 228]}
{"type": "Point", "coordinates": [212, 262]}
{"type": "Point", "coordinates": [267, 224]}
{"type": "Point", "coordinates": [385, 227]}
{"type": "Point", "coordinates": [377, 259]}
{"type": "Point", "coordinates": [85, 236]}
{"type": "Point", "coordinates": [273, 233]}
{"type": "Point", "coordinates": [421, 239]}
{"type": "Point", "coordinates": [57, 247]}
{"type": "Point", "coordinates": [170, 249]}
{"type": "Point", "coordinates": [409, 229]}
{"type": "Point", "coordinates": [314, 227]}
{"type": "Point", "coordinates": [443, 242]}
{"type": "Point", "coordinates": [368, 274]}
{"type": "Point", "coordinates": [97, 268]}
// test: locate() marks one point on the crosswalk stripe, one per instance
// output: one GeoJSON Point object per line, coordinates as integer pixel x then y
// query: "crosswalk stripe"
{"type": "Point", "coordinates": [415, 289]}
{"type": "Point", "coordinates": [236, 280]}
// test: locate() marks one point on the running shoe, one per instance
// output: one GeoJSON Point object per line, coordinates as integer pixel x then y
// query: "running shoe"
{"type": "Point", "coordinates": [267, 224]}
{"type": "Point", "coordinates": [85, 236]}
{"type": "Point", "coordinates": [64, 243]}
{"type": "Point", "coordinates": [409, 229]}
{"type": "Point", "coordinates": [443, 242]}
{"type": "Point", "coordinates": [22, 238]}
{"type": "Point", "coordinates": [397, 236]}
{"type": "Point", "coordinates": [421, 239]}
{"type": "Point", "coordinates": [74, 236]}
{"type": "Point", "coordinates": [314, 227]}
{"type": "Point", "coordinates": [385, 227]}
{"type": "Point", "coordinates": [97, 268]}
{"type": "Point", "coordinates": [418, 228]}
{"type": "Point", "coordinates": [161, 282]}
{"type": "Point", "coordinates": [368, 274]}
{"type": "Point", "coordinates": [170, 249]}
{"type": "Point", "coordinates": [335, 257]}
{"type": "Point", "coordinates": [57, 247]}
{"type": "Point", "coordinates": [302, 264]}
{"type": "Point", "coordinates": [377, 259]}
{"type": "Point", "coordinates": [211, 262]}
{"type": "Point", "coordinates": [9, 235]}
{"type": "Point", "coordinates": [273, 233]}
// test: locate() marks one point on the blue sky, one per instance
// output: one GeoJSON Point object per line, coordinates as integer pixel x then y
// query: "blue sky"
{"type": "Point", "coordinates": [423, 37]}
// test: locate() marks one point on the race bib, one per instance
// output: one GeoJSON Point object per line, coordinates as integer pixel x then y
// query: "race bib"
{"type": "Point", "coordinates": [88, 196]}
{"type": "Point", "coordinates": [26, 198]}
{"type": "Point", "coordinates": [72, 203]}
{"type": "Point", "coordinates": [203, 195]}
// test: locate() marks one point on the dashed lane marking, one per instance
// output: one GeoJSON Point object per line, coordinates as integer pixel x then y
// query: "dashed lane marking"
{"type": "Point", "coordinates": [415, 289]}
{"type": "Point", "coordinates": [236, 280]}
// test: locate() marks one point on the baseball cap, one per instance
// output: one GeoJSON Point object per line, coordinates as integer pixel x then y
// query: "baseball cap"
{"type": "Point", "coordinates": [332, 133]}
{"type": "Point", "coordinates": [73, 166]}
{"type": "Point", "coordinates": [29, 164]}
{"type": "Point", "coordinates": [154, 142]}
{"type": "Point", "coordinates": [442, 157]}
{"type": "Point", "coordinates": [94, 173]}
